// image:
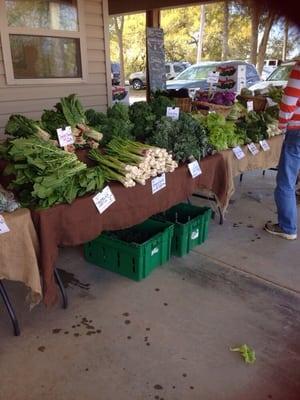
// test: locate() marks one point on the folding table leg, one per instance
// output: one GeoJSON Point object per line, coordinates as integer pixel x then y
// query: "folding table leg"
{"type": "Point", "coordinates": [10, 309]}
{"type": "Point", "coordinates": [61, 288]}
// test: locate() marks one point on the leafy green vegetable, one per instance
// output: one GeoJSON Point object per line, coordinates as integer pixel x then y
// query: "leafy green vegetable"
{"type": "Point", "coordinates": [246, 352]}
{"type": "Point", "coordinates": [47, 175]}
{"type": "Point", "coordinates": [185, 138]}
{"type": "Point", "coordinates": [159, 105]}
{"type": "Point", "coordinates": [53, 120]}
{"type": "Point", "coordinates": [20, 126]}
{"type": "Point", "coordinates": [143, 119]}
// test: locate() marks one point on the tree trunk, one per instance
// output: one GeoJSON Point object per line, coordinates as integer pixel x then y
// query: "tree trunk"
{"type": "Point", "coordinates": [225, 31]}
{"type": "Point", "coordinates": [255, 16]}
{"type": "Point", "coordinates": [285, 40]}
{"type": "Point", "coordinates": [264, 42]}
{"type": "Point", "coordinates": [119, 31]}
{"type": "Point", "coordinates": [201, 33]}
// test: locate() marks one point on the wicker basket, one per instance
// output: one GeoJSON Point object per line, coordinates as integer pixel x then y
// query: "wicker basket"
{"type": "Point", "coordinates": [185, 104]}
{"type": "Point", "coordinates": [259, 102]}
{"type": "Point", "coordinates": [205, 107]}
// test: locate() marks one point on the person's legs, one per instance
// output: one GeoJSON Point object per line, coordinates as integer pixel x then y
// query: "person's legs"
{"type": "Point", "coordinates": [285, 198]}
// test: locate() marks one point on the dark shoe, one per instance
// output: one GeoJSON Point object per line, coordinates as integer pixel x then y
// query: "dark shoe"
{"type": "Point", "coordinates": [275, 229]}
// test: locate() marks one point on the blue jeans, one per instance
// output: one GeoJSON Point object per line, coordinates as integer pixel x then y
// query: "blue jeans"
{"type": "Point", "coordinates": [288, 169]}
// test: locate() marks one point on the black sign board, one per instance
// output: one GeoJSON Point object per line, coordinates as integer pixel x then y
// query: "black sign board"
{"type": "Point", "coordinates": [156, 59]}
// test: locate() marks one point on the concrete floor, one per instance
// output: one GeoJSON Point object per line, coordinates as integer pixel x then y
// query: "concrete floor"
{"type": "Point", "coordinates": [168, 337]}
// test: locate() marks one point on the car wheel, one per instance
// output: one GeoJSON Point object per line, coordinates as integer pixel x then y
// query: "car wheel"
{"type": "Point", "coordinates": [137, 84]}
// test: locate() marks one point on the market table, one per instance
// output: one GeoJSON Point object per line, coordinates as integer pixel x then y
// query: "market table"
{"type": "Point", "coordinates": [80, 222]}
{"type": "Point", "coordinates": [263, 160]}
{"type": "Point", "coordinates": [19, 251]}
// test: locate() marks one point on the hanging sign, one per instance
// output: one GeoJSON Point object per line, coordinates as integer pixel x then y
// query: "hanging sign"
{"type": "Point", "coordinates": [264, 145]}
{"type": "Point", "coordinates": [158, 183]}
{"type": "Point", "coordinates": [194, 168]}
{"type": "Point", "coordinates": [250, 105]}
{"type": "Point", "coordinates": [3, 226]}
{"type": "Point", "coordinates": [104, 199]}
{"type": "Point", "coordinates": [253, 149]}
{"type": "Point", "coordinates": [238, 152]}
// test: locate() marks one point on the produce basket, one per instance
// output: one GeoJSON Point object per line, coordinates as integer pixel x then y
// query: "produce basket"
{"type": "Point", "coordinates": [185, 104]}
{"type": "Point", "coordinates": [259, 102]}
{"type": "Point", "coordinates": [205, 107]}
{"type": "Point", "coordinates": [133, 252]}
{"type": "Point", "coordinates": [191, 226]}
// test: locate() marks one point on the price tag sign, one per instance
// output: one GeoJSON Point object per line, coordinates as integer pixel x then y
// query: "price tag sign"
{"type": "Point", "coordinates": [253, 149]}
{"type": "Point", "coordinates": [238, 152]}
{"type": "Point", "coordinates": [173, 112]}
{"type": "Point", "coordinates": [213, 77]}
{"type": "Point", "coordinates": [65, 136]}
{"type": "Point", "coordinates": [104, 199]}
{"type": "Point", "coordinates": [264, 145]}
{"type": "Point", "coordinates": [194, 168]}
{"type": "Point", "coordinates": [3, 226]}
{"type": "Point", "coordinates": [158, 183]}
{"type": "Point", "coordinates": [250, 105]}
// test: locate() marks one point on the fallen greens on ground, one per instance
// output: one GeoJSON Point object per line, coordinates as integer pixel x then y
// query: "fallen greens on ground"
{"type": "Point", "coordinates": [246, 352]}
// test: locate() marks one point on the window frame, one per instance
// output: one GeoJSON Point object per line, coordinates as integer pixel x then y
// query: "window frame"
{"type": "Point", "coordinates": [6, 30]}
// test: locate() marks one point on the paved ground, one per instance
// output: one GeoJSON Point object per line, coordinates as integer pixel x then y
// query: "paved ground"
{"type": "Point", "coordinates": [168, 337]}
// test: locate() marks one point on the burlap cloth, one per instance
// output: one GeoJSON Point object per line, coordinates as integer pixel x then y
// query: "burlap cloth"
{"type": "Point", "coordinates": [18, 253]}
{"type": "Point", "coordinates": [263, 161]}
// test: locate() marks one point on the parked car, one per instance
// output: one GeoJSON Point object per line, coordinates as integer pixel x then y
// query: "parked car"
{"type": "Point", "coordinates": [115, 73]}
{"type": "Point", "coordinates": [269, 67]}
{"type": "Point", "coordinates": [279, 77]}
{"type": "Point", "coordinates": [138, 79]}
{"type": "Point", "coordinates": [195, 77]}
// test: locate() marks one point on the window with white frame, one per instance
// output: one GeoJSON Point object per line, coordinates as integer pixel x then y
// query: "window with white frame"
{"type": "Point", "coordinates": [42, 40]}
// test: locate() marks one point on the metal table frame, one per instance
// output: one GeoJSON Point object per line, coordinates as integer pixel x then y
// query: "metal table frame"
{"type": "Point", "coordinates": [11, 310]}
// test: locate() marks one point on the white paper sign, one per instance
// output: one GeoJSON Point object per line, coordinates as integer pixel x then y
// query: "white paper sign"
{"type": "Point", "coordinates": [264, 145]}
{"type": "Point", "coordinates": [173, 112]}
{"type": "Point", "coordinates": [104, 199]}
{"type": "Point", "coordinates": [3, 226]}
{"type": "Point", "coordinates": [238, 152]}
{"type": "Point", "coordinates": [194, 168]}
{"type": "Point", "coordinates": [253, 149]}
{"type": "Point", "coordinates": [65, 136]}
{"type": "Point", "coordinates": [158, 183]}
{"type": "Point", "coordinates": [213, 77]}
{"type": "Point", "coordinates": [250, 105]}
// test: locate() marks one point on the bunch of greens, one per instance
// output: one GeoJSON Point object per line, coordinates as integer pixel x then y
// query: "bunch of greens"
{"type": "Point", "coordinates": [20, 126]}
{"type": "Point", "coordinates": [143, 119]}
{"type": "Point", "coordinates": [255, 125]}
{"type": "Point", "coordinates": [275, 93]}
{"type": "Point", "coordinates": [222, 134]}
{"type": "Point", "coordinates": [115, 123]}
{"type": "Point", "coordinates": [46, 175]}
{"type": "Point", "coordinates": [69, 112]}
{"type": "Point", "coordinates": [159, 105]}
{"type": "Point", "coordinates": [185, 138]}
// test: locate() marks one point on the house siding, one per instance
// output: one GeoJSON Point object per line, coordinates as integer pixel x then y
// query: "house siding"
{"type": "Point", "coordinates": [31, 100]}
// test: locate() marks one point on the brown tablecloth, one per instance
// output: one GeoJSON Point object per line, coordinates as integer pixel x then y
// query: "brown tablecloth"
{"type": "Point", "coordinates": [18, 253]}
{"type": "Point", "coordinates": [263, 160]}
{"type": "Point", "coordinates": [69, 225]}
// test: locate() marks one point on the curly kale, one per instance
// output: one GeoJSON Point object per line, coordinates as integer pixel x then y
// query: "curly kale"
{"type": "Point", "coordinates": [159, 105]}
{"type": "Point", "coordinates": [143, 119]}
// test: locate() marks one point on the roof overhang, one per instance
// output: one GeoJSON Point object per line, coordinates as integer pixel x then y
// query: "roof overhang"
{"type": "Point", "coordinates": [133, 6]}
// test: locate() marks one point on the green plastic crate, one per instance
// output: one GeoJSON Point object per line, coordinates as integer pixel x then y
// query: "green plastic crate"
{"type": "Point", "coordinates": [112, 251]}
{"type": "Point", "coordinates": [191, 226]}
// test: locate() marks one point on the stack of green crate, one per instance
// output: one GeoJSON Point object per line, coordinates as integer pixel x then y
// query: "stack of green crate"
{"type": "Point", "coordinates": [191, 226]}
{"type": "Point", "coordinates": [133, 252]}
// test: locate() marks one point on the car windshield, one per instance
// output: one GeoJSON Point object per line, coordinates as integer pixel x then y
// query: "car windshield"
{"type": "Point", "coordinates": [195, 73]}
{"type": "Point", "coordinates": [179, 68]}
{"type": "Point", "coordinates": [281, 73]}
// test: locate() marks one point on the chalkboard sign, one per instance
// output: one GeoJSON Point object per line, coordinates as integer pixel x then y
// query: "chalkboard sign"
{"type": "Point", "coordinates": [156, 59]}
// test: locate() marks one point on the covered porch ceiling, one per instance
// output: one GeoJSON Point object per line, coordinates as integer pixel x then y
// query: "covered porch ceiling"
{"type": "Point", "coordinates": [133, 6]}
